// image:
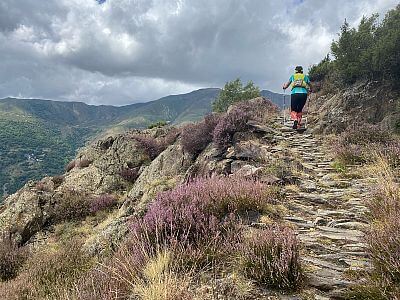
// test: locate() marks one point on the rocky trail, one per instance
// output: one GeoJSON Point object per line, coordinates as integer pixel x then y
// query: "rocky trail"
{"type": "Point", "coordinates": [330, 216]}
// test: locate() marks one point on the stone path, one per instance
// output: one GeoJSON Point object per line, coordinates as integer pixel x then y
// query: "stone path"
{"type": "Point", "coordinates": [329, 214]}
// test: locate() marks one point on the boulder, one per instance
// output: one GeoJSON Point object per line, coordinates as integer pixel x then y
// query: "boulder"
{"type": "Point", "coordinates": [107, 157]}
{"type": "Point", "coordinates": [25, 212]}
{"type": "Point", "coordinates": [164, 172]}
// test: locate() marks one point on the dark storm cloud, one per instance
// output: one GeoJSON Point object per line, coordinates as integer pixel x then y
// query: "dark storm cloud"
{"type": "Point", "coordinates": [120, 51]}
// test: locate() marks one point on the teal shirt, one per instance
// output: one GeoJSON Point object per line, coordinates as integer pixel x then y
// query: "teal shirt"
{"type": "Point", "coordinates": [300, 90]}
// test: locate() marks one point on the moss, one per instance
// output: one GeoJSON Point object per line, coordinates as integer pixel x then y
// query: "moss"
{"type": "Point", "coordinates": [161, 184]}
{"type": "Point", "coordinates": [339, 166]}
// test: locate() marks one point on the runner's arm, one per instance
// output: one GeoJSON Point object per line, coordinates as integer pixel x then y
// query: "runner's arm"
{"type": "Point", "coordinates": [286, 85]}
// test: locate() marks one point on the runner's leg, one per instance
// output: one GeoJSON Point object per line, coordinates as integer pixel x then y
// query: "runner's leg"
{"type": "Point", "coordinates": [293, 107]}
{"type": "Point", "coordinates": [301, 102]}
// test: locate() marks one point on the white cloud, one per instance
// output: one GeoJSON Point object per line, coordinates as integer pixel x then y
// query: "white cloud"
{"type": "Point", "coordinates": [124, 51]}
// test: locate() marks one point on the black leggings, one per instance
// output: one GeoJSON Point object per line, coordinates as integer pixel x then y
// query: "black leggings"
{"type": "Point", "coordinates": [298, 101]}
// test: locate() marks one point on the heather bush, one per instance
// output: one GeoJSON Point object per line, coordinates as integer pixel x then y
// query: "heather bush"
{"type": "Point", "coordinates": [149, 145]}
{"type": "Point", "coordinates": [48, 274]}
{"type": "Point", "coordinates": [53, 272]}
{"type": "Point", "coordinates": [12, 257]}
{"type": "Point", "coordinates": [365, 135]}
{"type": "Point", "coordinates": [70, 166]}
{"type": "Point", "coordinates": [83, 163]}
{"type": "Point", "coordinates": [169, 138]}
{"type": "Point", "coordinates": [129, 174]}
{"type": "Point", "coordinates": [57, 180]}
{"type": "Point", "coordinates": [350, 154]}
{"type": "Point", "coordinates": [391, 152]}
{"type": "Point", "coordinates": [234, 121]}
{"type": "Point", "coordinates": [199, 205]}
{"type": "Point", "coordinates": [194, 226]}
{"type": "Point", "coordinates": [71, 205]}
{"type": "Point", "coordinates": [202, 216]}
{"type": "Point", "coordinates": [260, 109]}
{"type": "Point", "coordinates": [42, 186]}
{"type": "Point", "coordinates": [115, 278]}
{"type": "Point", "coordinates": [196, 137]}
{"type": "Point", "coordinates": [102, 202]}
{"type": "Point", "coordinates": [271, 257]}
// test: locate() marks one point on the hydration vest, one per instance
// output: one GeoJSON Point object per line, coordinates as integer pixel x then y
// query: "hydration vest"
{"type": "Point", "coordinates": [298, 81]}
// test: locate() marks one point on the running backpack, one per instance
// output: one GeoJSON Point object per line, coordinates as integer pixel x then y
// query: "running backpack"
{"type": "Point", "coordinates": [298, 81]}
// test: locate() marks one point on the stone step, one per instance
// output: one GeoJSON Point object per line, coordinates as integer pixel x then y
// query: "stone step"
{"type": "Point", "coordinates": [327, 280]}
{"type": "Point", "coordinates": [309, 260]}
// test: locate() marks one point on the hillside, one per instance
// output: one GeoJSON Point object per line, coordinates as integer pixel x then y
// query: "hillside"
{"type": "Point", "coordinates": [364, 102]}
{"type": "Point", "coordinates": [38, 137]}
{"type": "Point", "coordinates": [223, 203]}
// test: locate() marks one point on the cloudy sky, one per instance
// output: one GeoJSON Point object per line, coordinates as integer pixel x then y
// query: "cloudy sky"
{"type": "Point", "coordinates": [125, 51]}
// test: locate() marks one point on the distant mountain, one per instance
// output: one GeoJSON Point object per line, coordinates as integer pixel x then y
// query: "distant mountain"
{"type": "Point", "coordinates": [38, 137]}
{"type": "Point", "coordinates": [274, 97]}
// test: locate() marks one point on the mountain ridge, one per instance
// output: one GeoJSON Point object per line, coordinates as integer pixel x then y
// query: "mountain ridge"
{"type": "Point", "coordinates": [38, 137]}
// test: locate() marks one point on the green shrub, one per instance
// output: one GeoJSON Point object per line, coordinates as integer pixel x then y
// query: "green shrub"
{"type": "Point", "coordinates": [158, 124]}
{"type": "Point", "coordinates": [319, 71]}
{"type": "Point", "coordinates": [233, 92]}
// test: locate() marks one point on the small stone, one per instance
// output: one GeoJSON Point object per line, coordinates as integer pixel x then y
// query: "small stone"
{"type": "Point", "coordinates": [352, 225]}
{"type": "Point", "coordinates": [308, 186]}
{"type": "Point", "coordinates": [319, 221]}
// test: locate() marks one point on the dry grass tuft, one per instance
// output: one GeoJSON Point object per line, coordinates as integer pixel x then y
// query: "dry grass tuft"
{"type": "Point", "coordinates": [383, 236]}
{"type": "Point", "coordinates": [160, 282]}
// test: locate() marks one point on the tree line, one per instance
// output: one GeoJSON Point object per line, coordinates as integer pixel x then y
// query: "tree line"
{"type": "Point", "coordinates": [371, 51]}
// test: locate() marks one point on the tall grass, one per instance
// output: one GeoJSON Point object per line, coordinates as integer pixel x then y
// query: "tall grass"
{"type": "Point", "coordinates": [48, 274]}
{"type": "Point", "coordinates": [139, 270]}
{"type": "Point", "coordinates": [383, 237]}
{"type": "Point", "coordinates": [357, 144]}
